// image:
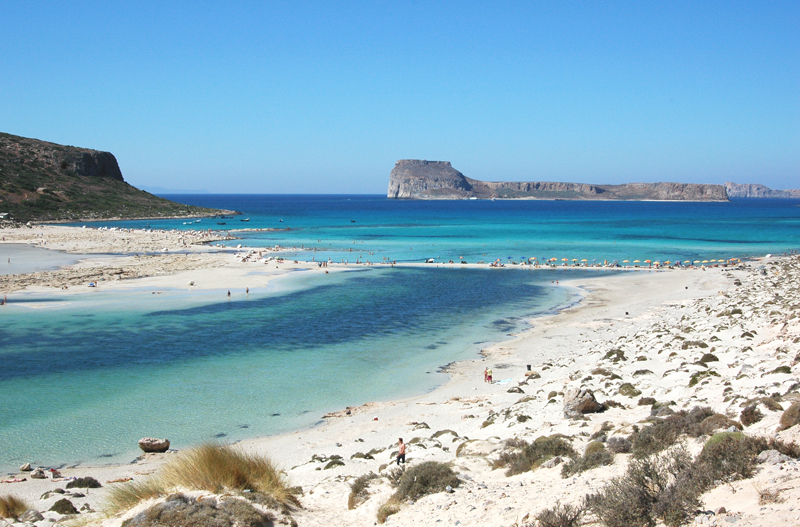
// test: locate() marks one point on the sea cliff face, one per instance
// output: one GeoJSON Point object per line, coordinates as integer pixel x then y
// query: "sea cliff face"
{"type": "Point", "coordinates": [418, 179]}
{"type": "Point", "coordinates": [750, 190]}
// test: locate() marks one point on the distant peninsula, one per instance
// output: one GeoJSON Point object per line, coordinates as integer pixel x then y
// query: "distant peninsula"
{"type": "Point", "coordinates": [751, 190]}
{"type": "Point", "coordinates": [419, 179]}
{"type": "Point", "coordinates": [41, 181]}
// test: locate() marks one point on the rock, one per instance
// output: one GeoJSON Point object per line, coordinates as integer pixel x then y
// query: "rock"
{"type": "Point", "coordinates": [31, 516]}
{"type": "Point", "coordinates": [579, 401]}
{"type": "Point", "coordinates": [722, 510]}
{"type": "Point", "coordinates": [477, 447]}
{"type": "Point", "coordinates": [87, 482]}
{"type": "Point", "coordinates": [532, 375]}
{"type": "Point", "coordinates": [151, 444]}
{"type": "Point", "coordinates": [628, 390]}
{"type": "Point", "coordinates": [772, 457]}
{"type": "Point", "coordinates": [38, 474]}
{"type": "Point", "coordinates": [64, 506]}
{"type": "Point", "coordinates": [552, 462]}
{"type": "Point", "coordinates": [49, 493]}
{"type": "Point", "coordinates": [515, 389]}
{"type": "Point", "coordinates": [25, 468]}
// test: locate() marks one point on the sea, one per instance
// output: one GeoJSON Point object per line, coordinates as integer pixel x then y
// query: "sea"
{"type": "Point", "coordinates": [83, 377]}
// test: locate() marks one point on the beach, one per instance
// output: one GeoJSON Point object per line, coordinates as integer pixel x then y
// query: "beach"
{"type": "Point", "coordinates": [645, 329]}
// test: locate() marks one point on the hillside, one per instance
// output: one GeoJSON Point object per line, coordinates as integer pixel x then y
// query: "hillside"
{"type": "Point", "coordinates": [418, 179]}
{"type": "Point", "coordinates": [41, 181]}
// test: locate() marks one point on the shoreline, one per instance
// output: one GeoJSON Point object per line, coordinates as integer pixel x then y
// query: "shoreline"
{"type": "Point", "coordinates": [564, 349]}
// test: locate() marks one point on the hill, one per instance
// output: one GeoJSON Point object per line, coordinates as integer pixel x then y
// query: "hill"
{"type": "Point", "coordinates": [418, 179]}
{"type": "Point", "coordinates": [41, 181]}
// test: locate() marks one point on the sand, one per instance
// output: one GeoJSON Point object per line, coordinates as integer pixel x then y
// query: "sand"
{"type": "Point", "coordinates": [658, 320]}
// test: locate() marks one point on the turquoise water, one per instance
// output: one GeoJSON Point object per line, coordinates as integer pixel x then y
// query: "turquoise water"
{"type": "Point", "coordinates": [344, 227]}
{"type": "Point", "coordinates": [83, 380]}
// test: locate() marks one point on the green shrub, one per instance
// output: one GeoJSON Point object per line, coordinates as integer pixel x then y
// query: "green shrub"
{"type": "Point", "coordinates": [782, 369]}
{"type": "Point", "coordinates": [593, 458]}
{"type": "Point", "coordinates": [665, 433]}
{"type": "Point", "coordinates": [529, 456]}
{"type": "Point", "coordinates": [423, 479]}
{"type": "Point", "coordinates": [699, 376]}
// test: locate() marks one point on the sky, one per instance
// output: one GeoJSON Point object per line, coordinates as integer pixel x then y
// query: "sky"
{"type": "Point", "coordinates": [324, 97]}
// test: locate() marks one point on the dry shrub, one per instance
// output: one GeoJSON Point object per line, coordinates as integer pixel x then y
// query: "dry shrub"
{"type": "Point", "coordinates": [561, 516]}
{"type": "Point", "coordinates": [727, 456]}
{"type": "Point", "coordinates": [716, 422]}
{"type": "Point", "coordinates": [387, 509]}
{"type": "Point", "coordinates": [529, 456]}
{"type": "Point", "coordinates": [12, 507]}
{"type": "Point", "coordinates": [790, 417]}
{"type": "Point", "coordinates": [214, 468]}
{"type": "Point", "coordinates": [358, 490]}
{"type": "Point", "coordinates": [619, 445]}
{"type": "Point", "coordinates": [751, 415]}
{"type": "Point", "coordinates": [651, 488]}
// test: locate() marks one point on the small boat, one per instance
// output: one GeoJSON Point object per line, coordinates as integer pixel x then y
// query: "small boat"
{"type": "Point", "coordinates": [280, 221]}
{"type": "Point", "coordinates": [246, 219]}
{"type": "Point", "coordinates": [352, 221]}
{"type": "Point", "coordinates": [220, 223]}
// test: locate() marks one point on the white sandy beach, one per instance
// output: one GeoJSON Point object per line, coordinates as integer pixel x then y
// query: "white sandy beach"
{"type": "Point", "coordinates": [662, 322]}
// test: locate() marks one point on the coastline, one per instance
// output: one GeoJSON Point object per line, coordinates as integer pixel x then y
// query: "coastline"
{"type": "Point", "coordinates": [563, 348]}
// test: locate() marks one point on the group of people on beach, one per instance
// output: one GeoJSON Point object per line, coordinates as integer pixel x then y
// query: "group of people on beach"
{"type": "Point", "coordinates": [487, 375]}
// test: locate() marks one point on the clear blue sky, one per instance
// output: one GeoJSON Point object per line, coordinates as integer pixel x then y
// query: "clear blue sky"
{"type": "Point", "coordinates": [324, 97]}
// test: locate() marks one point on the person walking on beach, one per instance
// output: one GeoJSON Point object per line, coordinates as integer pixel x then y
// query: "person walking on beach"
{"type": "Point", "coordinates": [489, 375]}
{"type": "Point", "coordinates": [401, 453]}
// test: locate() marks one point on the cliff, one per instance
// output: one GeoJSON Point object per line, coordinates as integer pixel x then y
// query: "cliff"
{"type": "Point", "coordinates": [417, 179]}
{"type": "Point", "coordinates": [44, 181]}
{"type": "Point", "coordinates": [751, 190]}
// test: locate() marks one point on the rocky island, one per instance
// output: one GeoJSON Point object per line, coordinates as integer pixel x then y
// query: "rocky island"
{"type": "Point", "coordinates": [419, 179]}
{"type": "Point", "coordinates": [41, 181]}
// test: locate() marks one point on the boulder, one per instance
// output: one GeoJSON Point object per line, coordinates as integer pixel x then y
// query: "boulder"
{"type": "Point", "coordinates": [64, 506]}
{"type": "Point", "coordinates": [772, 457]}
{"type": "Point", "coordinates": [552, 462]}
{"type": "Point", "coordinates": [38, 474]}
{"type": "Point", "coordinates": [152, 444]}
{"type": "Point", "coordinates": [87, 482]}
{"type": "Point", "coordinates": [31, 516]}
{"type": "Point", "coordinates": [579, 401]}
{"type": "Point", "coordinates": [25, 468]}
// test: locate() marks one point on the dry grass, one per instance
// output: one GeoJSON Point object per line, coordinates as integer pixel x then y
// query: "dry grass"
{"type": "Point", "coordinates": [12, 507]}
{"type": "Point", "coordinates": [210, 467]}
{"type": "Point", "coordinates": [767, 496]}
{"type": "Point", "coordinates": [358, 490]}
{"type": "Point", "coordinates": [387, 509]}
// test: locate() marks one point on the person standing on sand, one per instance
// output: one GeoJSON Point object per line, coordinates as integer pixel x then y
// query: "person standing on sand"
{"type": "Point", "coordinates": [489, 375]}
{"type": "Point", "coordinates": [401, 453]}
{"type": "Point", "coordinates": [486, 374]}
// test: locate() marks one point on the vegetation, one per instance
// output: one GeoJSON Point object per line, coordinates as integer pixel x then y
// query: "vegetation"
{"type": "Point", "coordinates": [12, 507]}
{"type": "Point", "coordinates": [183, 511]}
{"type": "Point", "coordinates": [791, 416]}
{"type": "Point", "coordinates": [561, 516]}
{"type": "Point", "coordinates": [529, 456]}
{"type": "Point", "coordinates": [420, 480]}
{"type": "Point", "coordinates": [43, 181]}
{"type": "Point", "coordinates": [213, 468]}
{"type": "Point", "coordinates": [358, 490]}
{"type": "Point", "coordinates": [595, 456]}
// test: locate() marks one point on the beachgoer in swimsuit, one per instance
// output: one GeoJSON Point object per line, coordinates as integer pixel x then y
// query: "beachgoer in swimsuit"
{"type": "Point", "coordinates": [401, 454]}
{"type": "Point", "coordinates": [489, 375]}
{"type": "Point", "coordinates": [486, 375]}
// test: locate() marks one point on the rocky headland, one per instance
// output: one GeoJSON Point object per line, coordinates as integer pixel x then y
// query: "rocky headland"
{"type": "Point", "coordinates": [420, 179]}
{"type": "Point", "coordinates": [41, 181]}
{"type": "Point", "coordinates": [751, 190]}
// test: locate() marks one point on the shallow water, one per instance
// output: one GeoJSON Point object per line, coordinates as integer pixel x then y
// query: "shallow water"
{"type": "Point", "coordinates": [83, 380]}
{"type": "Point", "coordinates": [21, 258]}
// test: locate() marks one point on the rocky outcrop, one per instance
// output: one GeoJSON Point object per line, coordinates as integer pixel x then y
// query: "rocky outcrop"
{"type": "Point", "coordinates": [418, 179]}
{"type": "Point", "coordinates": [751, 190]}
{"type": "Point", "coordinates": [579, 401]}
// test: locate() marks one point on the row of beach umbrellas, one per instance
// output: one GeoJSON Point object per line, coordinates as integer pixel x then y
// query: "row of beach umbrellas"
{"type": "Point", "coordinates": [651, 262]}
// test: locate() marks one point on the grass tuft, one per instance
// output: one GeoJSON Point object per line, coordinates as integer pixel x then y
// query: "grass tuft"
{"type": "Point", "coordinates": [214, 468]}
{"type": "Point", "coordinates": [358, 490]}
{"type": "Point", "coordinates": [561, 516]}
{"type": "Point", "coordinates": [12, 507]}
{"type": "Point", "coordinates": [529, 456]}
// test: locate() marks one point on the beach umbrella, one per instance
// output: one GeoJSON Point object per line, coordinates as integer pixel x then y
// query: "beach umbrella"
{"type": "Point", "coordinates": [584, 260]}
{"type": "Point", "coordinates": [697, 261]}
{"type": "Point", "coordinates": [636, 261]}
{"type": "Point", "coordinates": [705, 261]}
{"type": "Point", "coordinates": [565, 259]}
{"type": "Point", "coordinates": [626, 261]}
{"type": "Point", "coordinates": [667, 262]}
